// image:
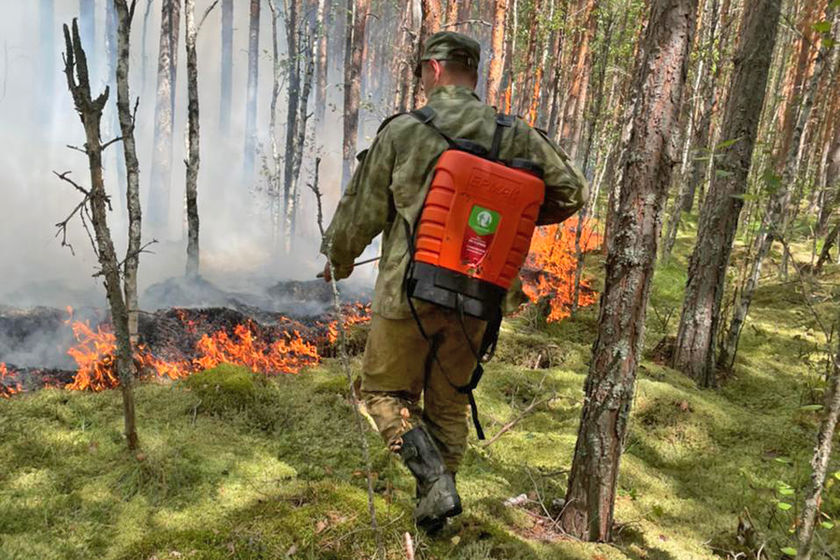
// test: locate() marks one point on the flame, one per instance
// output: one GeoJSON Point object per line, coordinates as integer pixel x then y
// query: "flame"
{"type": "Point", "coordinates": [6, 391]}
{"type": "Point", "coordinates": [552, 260]}
{"type": "Point", "coordinates": [353, 314]}
{"type": "Point", "coordinates": [95, 350]}
{"type": "Point", "coordinates": [281, 356]}
{"type": "Point", "coordinates": [94, 356]}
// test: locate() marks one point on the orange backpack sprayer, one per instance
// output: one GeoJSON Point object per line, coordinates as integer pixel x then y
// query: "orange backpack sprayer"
{"type": "Point", "coordinates": [473, 233]}
{"type": "Point", "coordinates": [475, 228]}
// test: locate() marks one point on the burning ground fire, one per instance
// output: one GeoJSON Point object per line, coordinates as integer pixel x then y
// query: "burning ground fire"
{"type": "Point", "coordinates": [179, 342]}
{"type": "Point", "coordinates": [549, 270]}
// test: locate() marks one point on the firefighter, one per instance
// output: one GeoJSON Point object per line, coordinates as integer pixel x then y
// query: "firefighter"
{"type": "Point", "coordinates": [386, 194]}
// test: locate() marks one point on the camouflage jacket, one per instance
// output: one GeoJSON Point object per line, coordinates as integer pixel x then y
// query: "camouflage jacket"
{"type": "Point", "coordinates": [390, 184]}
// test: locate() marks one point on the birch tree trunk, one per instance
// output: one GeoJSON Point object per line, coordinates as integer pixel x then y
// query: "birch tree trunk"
{"type": "Point", "coordinates": [227, 67]}
{"type": "Point", "coordinates": [193, 152]}
{"type": "Point", "coordinates": [356, 21]}
{"type": "Point", "coordinates": [497, 53]}
{"type": "Point", "coordinates": [694, 353]}
{"type": "Point", "coordinates": [90, 113]}
{"type": "Point", "coordinates": [161, 173]}
{"type": "Point", "coordinates": [253, 84]}
{"type": "Point", "coordinates": [274, 177]}
{"type": "Point", "coordinates": [322, 66]}
{"type": "Point", "coordinates": [660, 76]}
{"type": "Point", "coordinates": [819, 463]}
{"type": "Point", "coordinates": [293, 10]}
{"type": "Point", "coordinates": [125, 16]}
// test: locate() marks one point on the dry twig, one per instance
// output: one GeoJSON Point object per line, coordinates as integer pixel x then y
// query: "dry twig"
{"type": "Point", "coordinates": [345, 365]}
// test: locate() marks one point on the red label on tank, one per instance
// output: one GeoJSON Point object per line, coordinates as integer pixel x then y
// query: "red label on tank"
{"type": "Point", "coordinates": [483, 224]}
{"type": "Point", "coordinates": [475, 247]}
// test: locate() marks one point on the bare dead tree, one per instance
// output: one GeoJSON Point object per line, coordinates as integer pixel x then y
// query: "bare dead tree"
{"type": "Point", "coordinates": [125, 15]}
{"type": "Point", "coordinates": [95, 205]}
{"type": "Point", "coordinates": [191, 29]}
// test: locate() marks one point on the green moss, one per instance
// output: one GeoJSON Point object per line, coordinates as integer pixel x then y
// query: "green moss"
{"type": "Point", "coordinates": [236, 465]}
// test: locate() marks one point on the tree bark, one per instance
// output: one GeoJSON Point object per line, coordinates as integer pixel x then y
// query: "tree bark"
{"type": "Point", "coordinates": [90, 113]}
{"type": "Point", "coordinates": [125, 16]}
{"type": "Point", "coordinates": [819, 463]}
{"type": "Point", "coordinates": [356, 22]}
{"type": "Point", "coordinates": [430, 22]}
{"type": "Point", "coordinates": [161, 173]}
{"type": "Point", "coordinates": [293, 10]}
{"type": "Point", "coordinates": [660, 76]}
{"type": "Point", "coordinates": [828, 244]}
{"type": "Point", "coordinates": [193, 151]}
{"type": "Point", "coordinates": [253, 84]}
{"type": "Point", "coordinates": [772, 222]}
{"type": "Point", "coordinates": [694, 353]}
{"type": "Point", "coordinates": [406, 58]}
{"type": "Point", "coordinates": [227, 67]}
{"type": "Point", "coordinates": [576, 94]}
{"type": "Point", "coordinates": [497, 53]}
{"type": "Point", "coordinates": [322, 66]}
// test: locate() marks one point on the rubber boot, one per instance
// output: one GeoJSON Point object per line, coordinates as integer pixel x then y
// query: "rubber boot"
{"type": "Point", "coordinates": [437, 497]}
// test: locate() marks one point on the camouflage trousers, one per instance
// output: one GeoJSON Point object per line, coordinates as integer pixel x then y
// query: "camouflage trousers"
{"type": "Point", "coordinates": [400, 366]}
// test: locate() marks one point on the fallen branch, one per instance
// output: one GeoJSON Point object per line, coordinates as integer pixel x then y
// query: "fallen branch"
{"type": "Point", "coordinates": [510, 425]}
{"type": "Point", "coordinates": [345, 366]}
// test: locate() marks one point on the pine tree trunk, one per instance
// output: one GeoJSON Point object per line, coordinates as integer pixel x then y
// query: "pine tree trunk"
{"type": "Point", "coordinates": [406, 59]}
{"type": "Point", "coordinates": [90, 112]}
{"type": "Point", "coordinates": [660, 76]}
{"type": "Point", "coordinates": [497, 50]}
{"type": "Point", "coordinates": [253, 85]}
{"type": "Point", "coordinates": [125, 17]}
{"type": "Point", "coordinates": [451, 15]}
{"type": "Point", "coordinates": [430, 22]}
{"type": "Point", "coordinates": [772, 222]}
{"type": "Point", "coordinates": [227, 67]}
{"type": "Point", "coordinates": [356, 22]}
{"type": "Point", "coordinates": [161, 173]}
{"type": "Point", "coordinates": [694, 353]}
{"type": "Point", "coordinates": [575, 98]}
{"type": "Point", "coordinates": [193, 151]}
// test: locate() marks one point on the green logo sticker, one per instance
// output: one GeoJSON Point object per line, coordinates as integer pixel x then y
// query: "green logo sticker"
{"type": "Point", "coordinates": [483, 220]}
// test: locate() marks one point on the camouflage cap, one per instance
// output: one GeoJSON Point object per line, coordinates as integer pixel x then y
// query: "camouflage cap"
{"type": "Point", "coordinates": [451, 46]}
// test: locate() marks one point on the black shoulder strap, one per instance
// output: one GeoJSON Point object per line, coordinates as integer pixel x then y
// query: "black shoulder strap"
{"type": "Point", "coordinates": [388, 120]}
{"type": "Point", "coordinates": [502, 122]}
{"type": "Point", "coordinates": [426, 115]}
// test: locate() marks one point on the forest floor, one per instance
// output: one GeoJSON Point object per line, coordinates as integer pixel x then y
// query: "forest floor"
{"type": "Point", "coordinates": [237, 466]}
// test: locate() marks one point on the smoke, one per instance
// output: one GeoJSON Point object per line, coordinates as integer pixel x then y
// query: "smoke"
{"type": "Point", "coordinates": [238, 252]}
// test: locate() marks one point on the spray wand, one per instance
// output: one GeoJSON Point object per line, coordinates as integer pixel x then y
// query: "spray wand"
{"type": "Point", "coordinates": [355, 264]}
